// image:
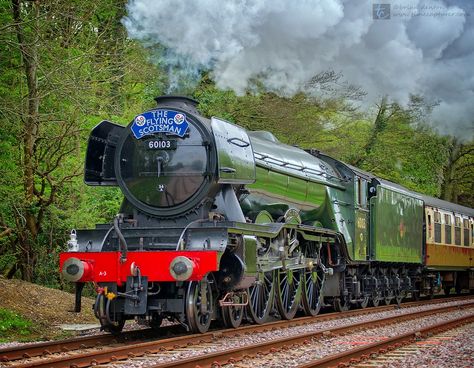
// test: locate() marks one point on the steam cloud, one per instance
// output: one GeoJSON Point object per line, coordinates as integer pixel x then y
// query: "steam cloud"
{"type": "Point", "coordinates": [427, 47]}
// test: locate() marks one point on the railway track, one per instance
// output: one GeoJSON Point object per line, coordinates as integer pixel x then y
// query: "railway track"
{"type": "Point", "coordinates": [94, 350]}
{"type": "Point", "coordinates": [364, 352]}
{"type": "Point", "coordinates": [255, 355]}
{"type": "Point", "coordinates": [450, 348]}
{"type": "Point", "coordinates": [84, 342]}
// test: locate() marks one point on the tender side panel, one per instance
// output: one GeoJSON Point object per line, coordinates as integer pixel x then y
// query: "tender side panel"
{"type": "Point", "coordinates": [449, 239]}
{"type": "Point", "coordinates": [397, 226]}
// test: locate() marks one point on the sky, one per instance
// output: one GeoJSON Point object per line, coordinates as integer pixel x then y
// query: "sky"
{"type": "Point", "coordinates": [407, 47]}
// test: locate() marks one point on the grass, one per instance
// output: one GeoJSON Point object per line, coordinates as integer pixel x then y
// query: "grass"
{"type": "Point", "coordinates": [14, 327]}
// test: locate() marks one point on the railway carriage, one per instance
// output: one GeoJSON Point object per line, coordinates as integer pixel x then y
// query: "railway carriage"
{"type": "Point", "coordinates": [450, 243]}
{"type": "Point", "coordinates": [222, 224]}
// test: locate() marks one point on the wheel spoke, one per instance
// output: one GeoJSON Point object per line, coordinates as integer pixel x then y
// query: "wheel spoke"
{"type": "Point", "coordinates": [288, 293]}
{"type": "Point", "coordinates": [313, 281]}
{"type": "Point", "coordinates": [261, 299]}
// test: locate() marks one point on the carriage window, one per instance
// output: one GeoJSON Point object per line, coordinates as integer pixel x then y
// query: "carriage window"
{"type": "Point", "coordinates": [457, 230]}
{"type": "Point", "coordinates": [430, 227]}
{"type": "Point", "coordinates": [466, 232]}
{"type": "Point", "coordinates": [437, 227]}
{"type": "Point", "coordinates": [472, 233]}
{"type": "Point", "coordinates": [447, 219]}
{"type": "Point", "coordinates": [447, 229]}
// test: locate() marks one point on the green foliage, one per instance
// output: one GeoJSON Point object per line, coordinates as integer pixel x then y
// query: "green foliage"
{"type": "Point", "coordinates": [401, 148]}
{"type": "Point", "coordinates": [13, 326]}
{"type": "Point", "coordinates": [458, 174]}
{"type": "Point", "coordinates": [86, 70]}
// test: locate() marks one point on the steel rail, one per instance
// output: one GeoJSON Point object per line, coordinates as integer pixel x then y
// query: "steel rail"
{"type": "Point", "coordinates": [107, 355]}
{"type": "Point", "coordinates": [83, 342]}
{"type": "Point", "coordinates": [236, 354]}
{"type": "Point", "coordinates": [361, 353]}
{"type": "Point", "coordinates": [53, 347]}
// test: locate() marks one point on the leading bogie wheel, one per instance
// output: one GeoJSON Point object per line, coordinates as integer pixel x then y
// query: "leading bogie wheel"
{"type": "Point", "coordinates": [232, 316]}
{"type": "Point", "coordinates": [115, 327]}
{"type": "Point", "coordinates": [110, 320]}
{"type": "Point", "coordinates": [199, 305]}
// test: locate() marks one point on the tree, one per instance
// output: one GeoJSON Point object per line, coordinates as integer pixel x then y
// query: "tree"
{"type": "Point", "coordinates": [50, 87]}
{"type": "Point", "coordinates": [458, 173]}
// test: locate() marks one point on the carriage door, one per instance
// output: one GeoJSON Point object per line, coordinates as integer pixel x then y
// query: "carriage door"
{"type": "Point", "coordinates": [361, 239]}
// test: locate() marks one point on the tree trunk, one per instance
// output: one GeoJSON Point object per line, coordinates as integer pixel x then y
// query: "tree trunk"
{"type": "Point", "coordinates": [29, 54]}
{"type": "Point", "coordinates": [379, 126]}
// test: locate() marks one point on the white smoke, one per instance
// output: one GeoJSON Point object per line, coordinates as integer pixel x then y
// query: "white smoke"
{"type": "Point", "coordinates": [427, 47]}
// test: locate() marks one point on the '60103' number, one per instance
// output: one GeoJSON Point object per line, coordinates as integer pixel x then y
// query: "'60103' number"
{"type": "Point", "coordinates": [161, 144]}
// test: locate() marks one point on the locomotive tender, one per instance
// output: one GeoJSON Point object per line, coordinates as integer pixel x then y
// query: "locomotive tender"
{"type": "Point", "coordinates": [219, 223]}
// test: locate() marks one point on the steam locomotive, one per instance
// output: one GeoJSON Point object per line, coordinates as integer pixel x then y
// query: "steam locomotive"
{"type": "Point", "coordinates": [219, 223]}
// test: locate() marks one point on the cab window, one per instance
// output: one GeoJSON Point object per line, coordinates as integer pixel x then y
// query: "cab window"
{"type": "Point", "coordinates": [361, 192]}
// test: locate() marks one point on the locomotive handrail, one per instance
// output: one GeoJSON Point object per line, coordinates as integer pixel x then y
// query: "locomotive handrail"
{"type": "Point", "coordinates": [270, 230]}
{"type": "Point", "coordinates": [179, 244]}
{"type": "Point", "coordinates": [122, 241]}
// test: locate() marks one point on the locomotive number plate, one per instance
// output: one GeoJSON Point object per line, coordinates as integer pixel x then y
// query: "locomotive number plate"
{"type": "Point", "coordinates": [165, 144]}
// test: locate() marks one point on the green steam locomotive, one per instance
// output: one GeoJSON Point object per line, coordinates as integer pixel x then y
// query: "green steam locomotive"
{"type": "Point", "coordinates": [219, 223]}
